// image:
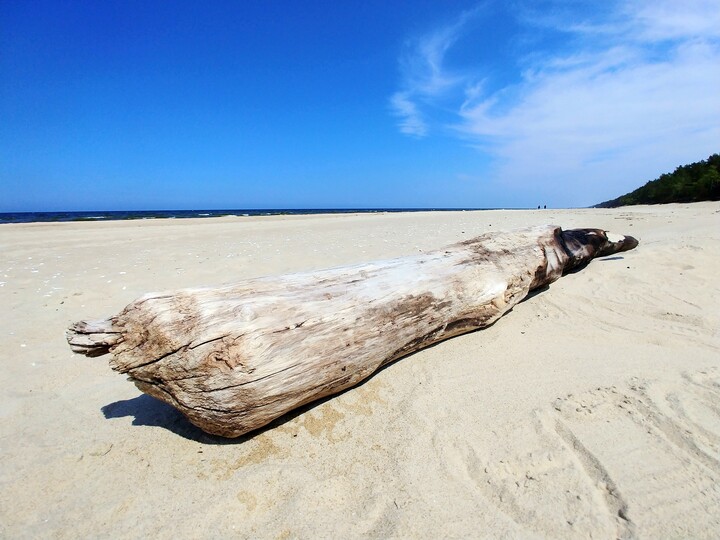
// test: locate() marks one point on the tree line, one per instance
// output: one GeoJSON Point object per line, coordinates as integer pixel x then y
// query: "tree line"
{"type": "Point", "coordinates": [699, 181]}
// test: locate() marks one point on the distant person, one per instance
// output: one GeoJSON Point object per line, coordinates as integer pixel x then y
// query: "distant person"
{"type": "Point", "coordinates": [544, 206]}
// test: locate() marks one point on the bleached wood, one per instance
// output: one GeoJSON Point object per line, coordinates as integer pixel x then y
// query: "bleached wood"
{"type": "Point", "coordinates": [235, 357]}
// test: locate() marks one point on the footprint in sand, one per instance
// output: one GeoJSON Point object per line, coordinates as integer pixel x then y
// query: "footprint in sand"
{"type": "Point", "coordinates": [619, 462]}
{"type": "Point", "coordinates": [659, 443]}
{"type": "Point", "coordinates": [539, 483]}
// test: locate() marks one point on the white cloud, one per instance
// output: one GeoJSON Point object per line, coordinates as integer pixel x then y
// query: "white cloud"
{"type": "Point", "coordinates": [411, 122]}
{"type": "Point", "coordinates": [670, 19]}
{"type": "Point", "coordinates": [636, 96]}
{"type": "Point", "coordinates": [424, 75]}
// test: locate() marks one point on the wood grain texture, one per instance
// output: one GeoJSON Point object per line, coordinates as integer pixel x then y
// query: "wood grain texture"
{"type": "Point", "coordinates": [234, 358]}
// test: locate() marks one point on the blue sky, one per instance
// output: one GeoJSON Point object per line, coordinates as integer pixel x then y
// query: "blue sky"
{"type": "Point", "coordinates": [257, 104]}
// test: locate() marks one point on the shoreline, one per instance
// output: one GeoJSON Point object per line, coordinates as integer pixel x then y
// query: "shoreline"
{"type": "Point", "coordinates": [133, 215]}
{"type": "Point", "coordinates": [184, 215]}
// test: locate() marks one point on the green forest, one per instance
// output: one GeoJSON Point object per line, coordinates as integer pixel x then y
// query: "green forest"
{"type": "Point", "coordinates": [698, 181]}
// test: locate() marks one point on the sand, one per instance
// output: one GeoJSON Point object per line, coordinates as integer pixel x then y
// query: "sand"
{"type": "Point", "coordinates": [592, 409]}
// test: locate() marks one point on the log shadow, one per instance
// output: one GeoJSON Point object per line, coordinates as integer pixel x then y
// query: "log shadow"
{"type": "Point", "coordinates": [617, 258]}
{"type": "Point", "coordinates": [532, 294]}
{"type": "Point", "coordinates": [583, 265]}
{"type": "Point", "coordinates": [150, 411]}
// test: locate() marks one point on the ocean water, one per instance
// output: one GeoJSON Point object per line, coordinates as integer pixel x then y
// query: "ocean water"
{"type": "Point", "coordinates": [32, 217]}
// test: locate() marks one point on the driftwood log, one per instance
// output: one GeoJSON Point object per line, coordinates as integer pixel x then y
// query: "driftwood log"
{"type": "Point", "coordinates": [234, 358]}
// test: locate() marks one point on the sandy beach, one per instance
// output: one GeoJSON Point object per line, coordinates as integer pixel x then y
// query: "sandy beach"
{"type": "Point", "coordinates": [590, 410]}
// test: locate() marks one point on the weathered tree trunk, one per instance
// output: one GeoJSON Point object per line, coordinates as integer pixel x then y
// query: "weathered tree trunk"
{"type": "Point", "coordinates": [233, 358]}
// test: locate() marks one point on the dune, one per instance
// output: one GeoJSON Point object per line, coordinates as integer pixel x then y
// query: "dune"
{"type": "Point", "coordinates": [591, 409]}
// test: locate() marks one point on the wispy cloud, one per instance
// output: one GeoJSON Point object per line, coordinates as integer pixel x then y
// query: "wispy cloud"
{"type": "Point", "coordinates": [411, 122]}
{"type": "Point", "coordinates": [425, 78]}
{"type": "Point", "coordinates": [634, 95]}
{"type": "Point", "coordinates": [667, 19]}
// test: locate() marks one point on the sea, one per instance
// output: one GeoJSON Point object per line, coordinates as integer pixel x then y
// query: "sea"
{"type": "Point", "coordinates": [115, 215]}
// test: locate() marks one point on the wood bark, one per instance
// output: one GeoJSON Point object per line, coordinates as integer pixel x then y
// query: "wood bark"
{"type": "Point", "coordinates": [234, 358]}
